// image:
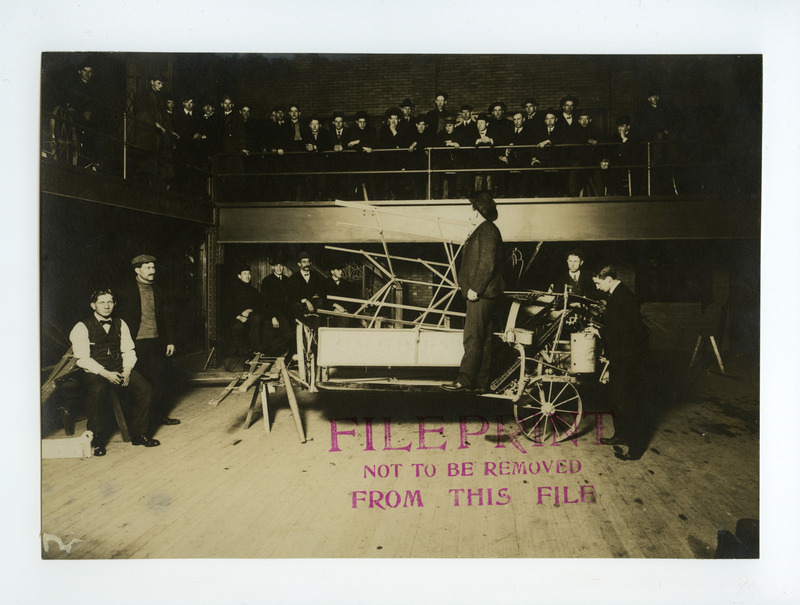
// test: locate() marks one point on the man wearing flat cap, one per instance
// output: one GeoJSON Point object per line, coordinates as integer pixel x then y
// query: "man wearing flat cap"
{"type": "Point", "coordinates": [480, 278]}
{"type": "Point", "coordinates": [144, 306]}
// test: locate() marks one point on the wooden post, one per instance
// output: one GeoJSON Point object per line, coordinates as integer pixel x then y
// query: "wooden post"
{"type": "Point", "coordinates": [287, 383]}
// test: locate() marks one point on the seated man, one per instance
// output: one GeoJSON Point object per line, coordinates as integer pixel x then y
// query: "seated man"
{"type": "Point", "coordinates": [104, 349]}
{"type": "Point", "coordinates": [306, 288]}
{"type": "Point", "coordinates": [578, 282]}
{"type": "Point", "coordinates": [337, 285]}
{"type": "Point", "coordinates": [245, 314]}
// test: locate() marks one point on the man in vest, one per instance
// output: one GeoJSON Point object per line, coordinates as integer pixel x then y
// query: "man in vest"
{"type": "Point", "coordinates": [104, 349]}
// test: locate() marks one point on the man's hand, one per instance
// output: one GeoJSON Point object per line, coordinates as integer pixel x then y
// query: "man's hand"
{"type": "Point", "coordinates": [472, 295]}
{"type": "Point", "coordinates": [338, 308]}
{"type": "Point", "coordinates": [112, 377]}
{"type": "Point", "coordinates": [275, 323]}
{"type": "Point", "coordinates": [309, 306]}
{"type": "Point", "coordinates": [170, 350]}
{"type": "Point", "coordinates": [126, 376]}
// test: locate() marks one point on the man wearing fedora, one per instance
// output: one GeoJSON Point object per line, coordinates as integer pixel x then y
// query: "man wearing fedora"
{"type": "Point", "coordinates": [480, 278]}
{"type": "Point", "coordinates": [145, 308]}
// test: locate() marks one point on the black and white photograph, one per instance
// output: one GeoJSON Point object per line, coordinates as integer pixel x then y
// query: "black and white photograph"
{"type": "Point", "coordinates": [356, 321]}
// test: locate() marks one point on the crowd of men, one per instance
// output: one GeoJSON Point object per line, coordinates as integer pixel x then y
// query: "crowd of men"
{"type": "Point", "coordinates": [517, 151]}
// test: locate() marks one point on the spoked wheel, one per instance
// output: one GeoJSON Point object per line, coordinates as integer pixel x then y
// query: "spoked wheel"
{"type": "Point", "coordinates": [550, 409]}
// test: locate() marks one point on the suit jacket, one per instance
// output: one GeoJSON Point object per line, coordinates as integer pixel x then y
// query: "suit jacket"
{"type": "Point", "coordinates": [468, 132]}
{"type": "Point", "coordinates": [275, 293]}
{"type": "Point", "coordinates": [481, 262]}
{"type": "Point", "coordinates": [501, 131]}
{"type": "Point", "coordinates": [232, 132]}
{"type": "Point", "coordinates": [623, 332]}
{"type": "Point", "coordinates": [129, 308]}
{"type": "Point", "coordinates": [435, 119]}
{"type": "Point", "coordinates": [521, 157]}
{"type": "Point", "coordinates": [342, 139]}
{"type": "Point", "coordinates": [242, 296]}
{"type": "Point", "coordinates": [365, 138]}
{"type": "Point", "coordinates": [584, 287]}
{"type": "Point", "coordinates": [298, 289]}
{"type": "Point", "coordinates": [323, 142]}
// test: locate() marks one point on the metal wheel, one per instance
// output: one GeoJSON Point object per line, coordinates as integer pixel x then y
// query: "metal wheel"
{"type": "Point", "coordinates": [550, 409]}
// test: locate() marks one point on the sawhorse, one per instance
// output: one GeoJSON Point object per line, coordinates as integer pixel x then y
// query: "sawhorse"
{"type": "Point", "coordinates": [713, 346]}
{"type": "Point", "coordinates": [266, 384]}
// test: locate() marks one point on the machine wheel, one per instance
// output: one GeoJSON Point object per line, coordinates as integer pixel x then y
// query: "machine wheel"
{"type": "Point", "coordinates": [550, 409]}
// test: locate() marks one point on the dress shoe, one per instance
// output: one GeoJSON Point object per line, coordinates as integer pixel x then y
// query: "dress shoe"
{"type": "Point", "coordinates": [629, 456]}
{"type": "Point", "coordinates": [99, 450]}
{"type": "Point", "coordinates": [145, 441]}
{"type": "Point", "coordinates": [455, 387]}
{"type": "Point", "coordinates": [170, 421]}
{"type": "Point", "coordinates": [612, 440]}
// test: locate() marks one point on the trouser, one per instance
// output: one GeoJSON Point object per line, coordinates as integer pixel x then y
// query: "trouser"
{"type": "Point", "coordinates": [630, 415]}
{"type": "Point", "coordinates": [151, 363]}
{"type": "Point", "coordinates": [477, 359]}
{"type": "Point", "coordinates": [138, 395]}
{"type": "Point", "coordinates": [252, 335]}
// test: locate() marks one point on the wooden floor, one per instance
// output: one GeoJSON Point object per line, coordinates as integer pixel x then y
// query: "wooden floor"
{"type": "Point", "coordinates": [213, 489]}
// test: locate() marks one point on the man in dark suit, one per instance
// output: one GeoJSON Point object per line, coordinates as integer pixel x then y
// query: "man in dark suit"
{"type": "Point", "coordinates": [144, 307]}
{"type": "Point", "coordinates": [532, 115]}
{"type": "Point", "coordinates": [435, 117]}
{"type": "Point", "coordinates": [337, 161]}
{"type": "Point", "coordinates": [391, 138]}
{"type": "Point", "coordinates": [275, 292]}
{"type": "Point", "coordinates": [580, 282]}
{"type": "Point", "coordinates": [362, 138]}
{"type": "Point", "coordinates": [546, 136]}
{"type": "Point", "coordinates": [316, 141]}
{"type": "Point", "coordinates": [521, 137]}
{"type": "Point", "coordinates": [480, 278]}
{"type": "Point", "coordinates": [625, 340]}
{"type": "Point", "coordinates": [306, 288]}
{"type": "Point", "coordinates": [407, 120]}
{"type": "Point", "coordinates": [245, 314]}
{"type": "Point", "coordinates": [104, 350]}
{"type": "Point", "coordinates": [467, 128]}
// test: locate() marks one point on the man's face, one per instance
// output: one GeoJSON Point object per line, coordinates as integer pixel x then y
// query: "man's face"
{"type": "Point", "coordinates": [361, 123]}
{"type": "Point", "coordinates": [294, 113]}
{"type": "Point", "coordinates": [208, 109]}
{"type": "Point", "coordinates": [104, 305]}
{"type": "Point", "coordinates": [604, 285]}
{"type": "Point", "coordinates": [550, 120]}
{"type": "Point", "coordinates": [623, 128]}
{"type": "Point", "coordinates": [584, 121]}
{"type": "Point", "coordinates": [530, 109]}
{"type": "Point", "coordinates": [338, 123]}
{"type": "Point", "coordinates": [156, 85]}
{"type": "Point", "coordinates": [305, 265]}
{"type": "Point", "coordinates": [568, 107]}
{"type": "Point", "coordinates": [574, 262]}
{"type": "Point", "coordinates": [336, 274]}
{"type": "Point", "coordinates": [440, 101]}
{"type": "Point", "coordinates": [280, 115]}
{"type": "Point", "coordinates": [393, 120]}
{"type": "Point", "coordinates": [188, 104]}
{"type": "Point", "coordinates": [170, 104]}
{"type": "Point", "coordinates": [245, 277]}
{"type": "Point", "coordinates": [227, 105]}
{"type": "Point", "coordinates": [449, 127]}
{"type": "Point", "coordinates": [85, 73]}
{"type": "Point", "coordinates": [406, 111]}
{"type": "Point", "coordinates": [245, 112]}
{"type": "Point", "coordinates": [277, 269]}
{"type": "Point", "coordinates": [421, 127]}
{"type": "Point", "coordinates": [497, 112]}
{"type": "Point", "coordinates": [466, 115]}
{"type": "Point", "coordinates": [481, 124]}
{"type": "Point", "coordinates": [518, 120]}
{"type": "Point", "coordinates": [653, 99]}
{"type": "Point", "coordinates": [314, 126]}
{"type": "Point", "coordinates": [146, 272]}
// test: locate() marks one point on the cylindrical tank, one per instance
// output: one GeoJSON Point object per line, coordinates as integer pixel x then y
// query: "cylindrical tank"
{"type": "Point", "coordinates": [584, 352]}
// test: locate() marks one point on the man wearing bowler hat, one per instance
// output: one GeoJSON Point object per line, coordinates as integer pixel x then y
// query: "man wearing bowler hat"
{"type": "Point", "coordinates": [480, 278]}
{"type": "Point", "coordinates": [145, 308]}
